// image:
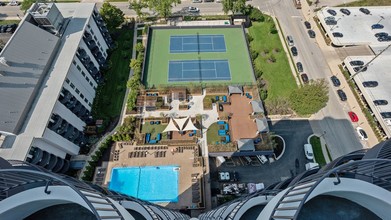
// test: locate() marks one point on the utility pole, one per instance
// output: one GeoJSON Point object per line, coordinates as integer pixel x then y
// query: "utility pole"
{"type": "Point", "coordinates": [363, 67]}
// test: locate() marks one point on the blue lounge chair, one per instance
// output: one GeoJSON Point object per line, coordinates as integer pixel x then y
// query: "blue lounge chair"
{"type": "Point", "coordinates": [159, 137]}
{"type": "Point", "coordinates": [217, 98]}
{"type": "Point", "coordinates": [151, 122]}
{"type": "Point", "coordinates": [157, 122]}
{"type": "Point", "coordinates": [221, 122]}
{"type": "Point", "coordinates": [152, 141]}
{"type": "Point", "coordinates": [147, 137]}
{"type": "Point", "coordinates": [226, 127]}
{"type": "Point", "coordinates": [224, 98]}
{"type": "Point", "coordinates": [227, 138]}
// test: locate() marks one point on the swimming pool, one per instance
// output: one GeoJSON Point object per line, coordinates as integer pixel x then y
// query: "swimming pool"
{"type": "Point", "coordinates": [150, 183]}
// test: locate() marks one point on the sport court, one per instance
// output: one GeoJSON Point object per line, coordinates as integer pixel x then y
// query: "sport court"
{"type": "Point", "coordinates": [198, 70]}
{"type": "Point", "coordinates": [179, 56]}
{"type": "Point", "coordinates": [197, 43]}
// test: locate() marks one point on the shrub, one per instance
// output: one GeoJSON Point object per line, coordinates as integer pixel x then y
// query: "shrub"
{"type": "Point", "coordinates": [256, 15]}
{"type": "Point", "coordinates": [258, 72]}
{"type": "Point", "coordinates": [263, 94]}
{"type": "Point", "coordinates": [254, 54]}
{"type": "Point", "coordinates": [140, 47]}
{"type": "Point", "coordinates": [249, 37]}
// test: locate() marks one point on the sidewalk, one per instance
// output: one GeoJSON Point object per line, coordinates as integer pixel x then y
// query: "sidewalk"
{"type": "Point", "coordinates": [333, 61]}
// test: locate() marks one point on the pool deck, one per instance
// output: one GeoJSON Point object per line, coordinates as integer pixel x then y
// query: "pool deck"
{"type": "Point", "coordinates": [184, 158]}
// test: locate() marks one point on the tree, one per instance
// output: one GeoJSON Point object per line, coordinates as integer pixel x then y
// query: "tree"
{"type": "Point", "coordinates": [112, 16]}
{"type": "Point", "coordinates": [309, 98]}
{"type": "Point", "coordinates": [162, 7]}
{"type": "Point", "coordinates": [235, 6]}
{"type": "Point", "coordinates": [26, 4]}
{"type": "Point", "coordinates": [137, 6]}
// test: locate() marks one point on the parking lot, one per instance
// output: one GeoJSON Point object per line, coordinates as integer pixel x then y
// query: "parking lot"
{"type": "Point", "coordinates": [356, 27]}
{"type": "Point", "coordinates": [267, 173]}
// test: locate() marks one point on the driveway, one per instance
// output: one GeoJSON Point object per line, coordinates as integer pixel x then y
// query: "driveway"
{"type": "Point", "coordinates": [279, 170]}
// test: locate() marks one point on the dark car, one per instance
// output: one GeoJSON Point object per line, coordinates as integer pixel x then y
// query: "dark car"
{"type": "Point", "coordinates": [307, 24]}
{"type": "Point", "coordinates": [380, 102]}
{"type": "Point", "coordinates": [386, 114]}
{"type": "Point", "coordinates": [342, 95]}
{"type": "Point", "coordinates": [377, 26]}
{"type": "Point", "coordinates": [221, 108]}
{"type": "Point", "coordinates": [381, 34]}
{"type": "Point", "coordinates": [356, 69]}
{"type": "Point", "coordinates": [299, 67]}
{"type": "Point", "coordinates": [304, 77]}
{"type": "Point", "coordinates": [331, 22]}
{"type": "Point", "coordinates": [365, 11]}
{"type": "Point", "coordinates": [337, 34]}
{"type": "Point", "coordinates": [3, 4]}
{"type": "Point", "coordinates": [294, 51]}
{"type": "Point", "coordinates": [345, 11]}
{"type": "Point", "coordinates": [370, 83]}
{"type": "Point", "coordinates": [332, 12]}
{"type": "Point", "coordinates": [335, 81]}
{"type": "Point", "coordinates": [311, 33]}
{"type": "Point", "coordinates": [383, 39]}
{"type": "Point", "coordinates": [356, 63]}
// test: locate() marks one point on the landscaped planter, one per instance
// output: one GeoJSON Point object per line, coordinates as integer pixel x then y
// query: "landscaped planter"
{"type": "Point", "coordinates": [280, 146]}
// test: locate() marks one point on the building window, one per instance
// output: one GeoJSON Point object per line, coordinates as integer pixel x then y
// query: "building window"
{"type": "Point", "coordinates": [87, 79]}
{"type": "Point", "coordinates": [67, 80]}
{"type": "Point", "coordinates": [88, 26]}
{"type": "Point", "coordinates": [78, 67]}
{"type": "Point", "coordinates": [91, 84]}
{"type": "Point", "coordinates": [72, 86]}
{"type": "Point", "coordinates": [74, 62]}
{"type": "Point", "coordinates": [95, 87]}
{"type": "Point", "coordinates": [98, 44]}
{"type": "Point", "coordinates": [89, 104]}
{"type": "Point", "coordinates": [95, 38]}
{"type": "Point", "coordinates": [92, 32]}
{"type": "Point", "coordinates": [86, 100]}
{"type": "Point", "coordinates": [81, 95]}
{"type": "Point", "coordinates": [82, 73]}
{"type": "Point", "coordinates": [77, 91]}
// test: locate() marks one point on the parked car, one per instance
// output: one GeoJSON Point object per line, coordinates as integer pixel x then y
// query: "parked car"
{"type": "Point", "coordinates": [337, 34]}
{"type": "Point", "coordinates": [219, 1]}
{"type": "Point", "coordinates": [356, 63]}
{"type": "Point", "coordinates": [329, 18]}
{"type": "Point", "coordinates": [380, 102]}
{"type": "Point", "coordinates": [342, 95]}
{"type": "Point", "coordinates": [385, 114]}
{"type": "Point", "coordinates": [307, 24]}
{"type": "Point", "coordinates": [365, 11]}
{"type": "Point", "coordinates": [14, 3]}
{"type": "Point", "coordinates": [332, 12]}
{"type": "Point", "coordinates": [289, 39]}
{"type": "Point", "coordinates": [196, 1]}
{"type": "Point", "coordinates": [381, 34]}
{"type": "Point", "coordinates": [331, 22]}
{"type": "Point", "coordinates": [345, 11]}
{"type": "Point", "coordinates": [377, 26]}
{"type": "Point", "coordinates": [263, 159]}
{"type": "Point", "coordinates": [299, 67]}
{"type": "Point", "coordinates": [208, 0]}
{"type": "Point", "coordinates": [3, 4]}
{"type": "Point", "coordinates": [309, 153]}
{"type": "Point", "coordinates": [370, 83]}
{"type": "Point", "coordinates": [294, 51]}
{"type": "Point", "coordinates": [353, 116]}
{"type": "Point", "coordinates": [193, 9]}
{"type": "Point", "coordinates": [383, 39]}
{"type": "Point", "coordinates": [311, 33]}
{"type": "Point", "coordinates": [356, 69]}
{"type": "Point", "coordinates": [304, 77]}
{"type": "Point", "coordinates": [311, 166]}
{"type": "Point", "coordinates": [335, 81]}
{"type": "Point", "coordinates": [361, 133]}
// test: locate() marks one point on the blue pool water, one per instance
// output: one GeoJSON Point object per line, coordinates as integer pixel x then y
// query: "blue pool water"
{"type": "Point", "coordinates": [154, 184]}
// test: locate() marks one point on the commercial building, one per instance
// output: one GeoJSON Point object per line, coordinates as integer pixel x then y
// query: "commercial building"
{"type": "Point", "coordinates": [49, 72]}
{"type": "Point", "coordinates": [357, 184]}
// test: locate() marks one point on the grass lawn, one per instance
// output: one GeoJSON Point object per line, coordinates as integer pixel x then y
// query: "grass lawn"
{"type": "Point", "coordinates": [319, 157]}
{"type": "Point", "coordinates": [158, 56]}
{"type": "Point", "coordinates": [212, 134]}
{"type": "Point", "coordinates": [153, 129]}
{"type": "Point", "coordinates": [108, 104]}
{"type": "Point", "coordinates": [5, 22]}
{"type": "Point", "coordinates": [368, 3]}
{"type": "Point", "coordinates": [280, 81]}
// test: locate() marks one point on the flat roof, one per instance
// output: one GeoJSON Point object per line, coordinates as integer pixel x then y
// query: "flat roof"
{"type": "Point", "coordinates": [356, 27]}
{"type": "Point", "coordinates": [378, 70]}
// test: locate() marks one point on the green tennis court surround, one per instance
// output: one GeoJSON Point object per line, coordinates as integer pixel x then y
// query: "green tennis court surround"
{"type": "Point", "coordinates": [219, 55]}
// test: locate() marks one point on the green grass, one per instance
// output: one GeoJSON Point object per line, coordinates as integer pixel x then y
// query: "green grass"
{"type": "Point", "coordinates": [212, 134]}
{"type": "Point", "coordinates": [153, 129]}
{"type": "Point", "coordinates": [208, 101]}
{"type": "Point", "coordinates": [280, 81]}
{"type": "Point", "coordinates": [108, 104]}
{"type": "Point", "coordinates": [368, 3]}
{"type": "Point", "coordinates": [5, 22]}
{"type": "Point", "coordinates": [158, 56]}
{"type": "Point", "coordinates": [318, 153]}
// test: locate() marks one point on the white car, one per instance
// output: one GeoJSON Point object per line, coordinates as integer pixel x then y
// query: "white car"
{"type": "Point", "coordinates": [218, 1]}
{"type": "Point", "coordinates": [309, 153]}
{"type": "Point", "coordinates": [14, 3]}
{"type": "Point", "coordinates": [197, 1]}
{"type": "Point", "coordinates": [362, 134]}
{"type": "Point", "coordinates": [262, 159]}
{"type": "Point", "coordinates": [193, 9]}
{"type": "Point", "coordinates": [310, 166]}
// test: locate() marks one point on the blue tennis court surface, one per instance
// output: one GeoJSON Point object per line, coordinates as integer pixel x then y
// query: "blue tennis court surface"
{"type": "Point", "coordinates": [198, 70]}
{"type": "Point", "coordinates": [153, 184]}
{"type": "Point", "coordinates": [197, 43]}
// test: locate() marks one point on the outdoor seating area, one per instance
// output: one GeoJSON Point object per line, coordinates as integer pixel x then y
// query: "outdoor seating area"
{"type": "Point", "coordinates": [223, 98]}
{"type": "Point", "coordinates": [152, 94]}
{"type": "Point", "coordinates": [223, 132]}
{"type": "Point", "coordinates": [149, 140]}
{"type": "Point", "coordinates": [137, 154]}
{"type": "Point", "coordinates": [248, 95]}
{"type": "Point", "coordinates": [193, 133]}
{"type": "Point", "coordinates": [116, 155]}
{"type": "Point", "coordinates": [154, 122]}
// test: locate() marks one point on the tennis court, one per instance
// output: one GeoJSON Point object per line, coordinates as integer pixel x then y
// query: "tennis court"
{"type": "Point", "coordinates": [198, 70]}
{"type": "Point", "coordinates": [197, 43]}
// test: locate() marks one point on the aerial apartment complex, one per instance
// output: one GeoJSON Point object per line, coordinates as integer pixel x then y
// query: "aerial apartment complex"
{"type": "Point", "coordinates": [49, 72]}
